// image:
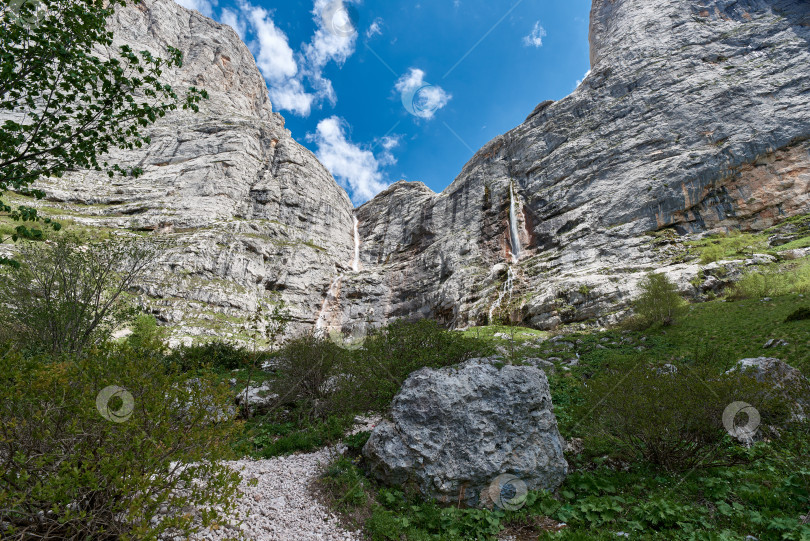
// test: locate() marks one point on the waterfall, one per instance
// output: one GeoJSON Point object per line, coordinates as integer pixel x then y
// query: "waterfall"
{"type": "Point", "coordinates": [331, 297]}
{"type": "Point", "coordinates": [507, 288]}
{"type": "Point", "coordinates": [356, 262]}
{"type": "Point", "coordinates": [513, 225]}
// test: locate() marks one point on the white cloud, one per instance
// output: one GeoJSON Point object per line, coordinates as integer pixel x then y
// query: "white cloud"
{"type": "Point", "coordinates": [388, 143]}
{"type": "Point", "coordinates": [276, 61]}
{"type": "Point", "coordinates": [419, 97]}
{"type": "Point", "coordinates": [274, 57]}
{"type": "Point", "coordinates": [584, 77]}
{"type": "Point", "coordinates": [232, 19]}
{"type": "Point", "coordinates": [355, 168]}
{"type": "Point", "coordinates": [375, 29]}
{"type": "Point", "coordinates": [535, 39]}
{"type": "Point", "coordinates": [203, 6]}
{"type": "Point", "coordinates": [295, 79]}
{"type": "Point", "coordinates": [324, 47]}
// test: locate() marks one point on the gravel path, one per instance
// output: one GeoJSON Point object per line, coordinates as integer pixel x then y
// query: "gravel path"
{"type": "Point", "coordinates": [280, 507]}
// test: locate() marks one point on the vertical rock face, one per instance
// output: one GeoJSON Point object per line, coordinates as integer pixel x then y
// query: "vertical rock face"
{"type": "Point", "coordinates": [252, 212]}
{"type": "Point", "coordinates": [694, 117]}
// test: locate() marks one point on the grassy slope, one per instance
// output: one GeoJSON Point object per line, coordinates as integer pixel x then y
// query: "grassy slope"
{"type": "Point", "coordinates": [768, 499]}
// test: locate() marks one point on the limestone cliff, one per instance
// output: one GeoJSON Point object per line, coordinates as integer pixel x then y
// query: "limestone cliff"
{"type": "Point", "coordinates": [252, 211]}
{"type": "Point", "coordinates": [694, 117]}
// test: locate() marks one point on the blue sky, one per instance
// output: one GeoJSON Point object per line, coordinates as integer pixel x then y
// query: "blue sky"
{"type": "Point", "coordinates": [383, 91]}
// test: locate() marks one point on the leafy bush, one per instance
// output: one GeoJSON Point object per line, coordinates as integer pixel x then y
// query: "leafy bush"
{"type": "Point", "coordinates": [659, 302]}
{"type": "Point", "coordinates": [712, 253]}
{"type": "Point", "coordinates": [146, 334]}
{"type": "Point", "coordinates": [67, 296]}
{"type": "Point", "coordinates": [774, 281]}
{"type": "Point", "coordinates": [735, 244]}
{"type": "Point", "coordinates": [310, 372]}
{"type": "Point", "coordinates": [77, 465]}
{"type": "Point", "coordinates": [390, 354]}
{"type": "Point", "coordinates": [390, 514]}
{"type": "Point", "coordinates": [671, 419]}
{"type": "Point", "coordinates": [217, 355]}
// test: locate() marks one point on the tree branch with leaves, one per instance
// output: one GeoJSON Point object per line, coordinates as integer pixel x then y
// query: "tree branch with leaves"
{"type": "Point", "coordinates": [63, 105]}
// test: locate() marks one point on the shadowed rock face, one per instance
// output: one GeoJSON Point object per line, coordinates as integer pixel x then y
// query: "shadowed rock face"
{"type": "Point", "coordinates": [694, 117]}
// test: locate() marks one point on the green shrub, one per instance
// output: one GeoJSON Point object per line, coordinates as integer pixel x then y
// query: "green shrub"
{"type": "Point", "coordinates": [735, 244]}
{"type": "Point", "coordinates": [673, 420]}
{"type": "Point", "coordinates": [773, 281]}
{"type": "Point", "coordinates": [221, 356]}
{"type": "Point", "coordinates": [659, 302]}
{"type": "Point", "coordinates": [390, 354]}
{"type": "Point", "coordinates": [78, 466]}
{"type": "Point", "coordinates": [310, 376]}
{"type": "Point", "coordinates": [711, 254]}
{"type": "Point", "coordinates": [67, 295]}
{"type": "Point", "coordinates": [146, 334]}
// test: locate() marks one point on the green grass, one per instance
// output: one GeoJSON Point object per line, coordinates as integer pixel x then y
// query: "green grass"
{"type": "Point", "coordinates": [766, 498]}
{"type": "Point", "coordinates": [803, 242]}
{"type": "Point", "coordinates": [263, 438]}
{"type": "Point", "coordinates": [520, 334]}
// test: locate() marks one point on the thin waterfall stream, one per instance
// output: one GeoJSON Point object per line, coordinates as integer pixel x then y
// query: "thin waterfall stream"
{"type": "Point", "coordinates": [514, 235]}
{"type": "Point", "coordinates": [507, 288]}
{"type": "Point", "coordinates": [356, 261]}
{"type": "Point", "coordinates": [515, 250]}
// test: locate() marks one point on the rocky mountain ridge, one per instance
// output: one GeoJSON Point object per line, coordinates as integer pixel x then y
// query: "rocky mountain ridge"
{"type": "Point", "coordinates": [694, 119]}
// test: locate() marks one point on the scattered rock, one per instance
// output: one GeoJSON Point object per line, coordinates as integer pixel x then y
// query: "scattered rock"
{"type": "Point", "coordinates": [278, 503]}
{"type": "Point", "coordinates": [667, 369]}
{"type": "Point", "coordinates": [791, 383]}
{"type": "Point", "coordinates": [574, 446]}
{"type": "Point", "coordinates": [773, 343]}
{"type": "Point", "coordinates": [260, 398]}
{"type": "Point", "coordinates": [455, 430]}
{"type": "Point", "coordinates": [760, 259]}
{"type": "Point", "coordinates": [540, 363]}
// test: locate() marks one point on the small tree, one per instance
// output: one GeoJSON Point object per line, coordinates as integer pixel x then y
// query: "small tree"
{"type": "Point", "coordinates": [659, 302]}
{"type": "Point", "coordinates": [271, 329]}
{"type": "Point", "coordinates": [66, 296]}
{"type": "Point", "coordinates": [68, 96]}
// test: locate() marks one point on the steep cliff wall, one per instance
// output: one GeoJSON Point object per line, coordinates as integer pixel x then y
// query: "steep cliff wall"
{"type": "Point", "coordinates": [252, 211]}
{"type": "Point", "coordinates": [695, 118]}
